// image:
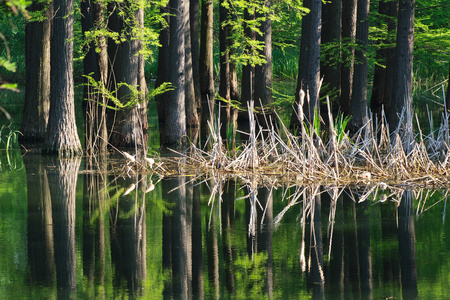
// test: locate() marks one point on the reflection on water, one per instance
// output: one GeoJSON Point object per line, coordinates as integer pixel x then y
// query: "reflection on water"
{"type": "Point", "coordinates": [95, 234]}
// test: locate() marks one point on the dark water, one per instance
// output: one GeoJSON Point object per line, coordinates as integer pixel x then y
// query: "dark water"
{"type": "Point", "coordinates": [67, 233]}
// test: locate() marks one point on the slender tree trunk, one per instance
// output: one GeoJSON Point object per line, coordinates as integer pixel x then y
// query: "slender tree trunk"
{"type": "Point", "coordinates": [37, 87]}
{"type": "Point", "coordinates": [402, 93]}
{"type": "Point", "coordinates": [175, 127]}
{"type": "Point", "coordinates": [192, 119]}
{"type": "Point", "coordinates": [330, 67]}
{"type": "Point", "coordinates": [206, 64]}
{"type": "Point", "coordinates": [62, 136]}
{"type": "Point", "coordinates": [358, 107]}
{"type": "Point", "coordinates": [308, 78]}
{"type": "Point", "coordinates": [348, 38]}
{"type": "Point", "coordinates": [263, 73]}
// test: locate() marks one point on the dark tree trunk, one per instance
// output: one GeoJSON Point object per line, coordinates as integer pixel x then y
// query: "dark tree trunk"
{"type": "Point", "coordinates": [308, 78]}
{"type": "Point", "coordinates": [163, 72]}
{"type": "Point", "coordinates": [175, 127]}
{"type": "Point", "coordinates": [358, 103]}
{"type": "Point", "coordinates": [96, 66]}
{"type": "Point", "coordinates": [127, 126]}
{"type": "Point", "coordinates": [206, 64]}
{"type": "Point", "coordinates": [62, 136]}
{"type": "Point", "coordinates": [192, 119]}
{"type": "Point", "coordinates": [382, 78]}
{"type": "Point", "coordinates": [390, 55]}
{"type": "Point", "coordinates": [263, 73]}
{"type": "Point", "coordinates": [194, 16]}
{"type": "Point", "coordinates": [330, 67]}
{"type": "Point", "coordinates": [37, 87]}
{"type": "Point", "coordinates": [348, 38]}
{"type": "Point", "coordinates": [402, 93]}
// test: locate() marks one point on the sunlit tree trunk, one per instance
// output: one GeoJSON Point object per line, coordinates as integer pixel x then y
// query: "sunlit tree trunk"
{"type": "Point", "coordinates": [37, 87]}
{"type": "Point", "coordinates": [348, 38]}
{"type": "Point", "coordinates": [308, 78]}
{"type": "Point", "coordinates": [358, 103]}
{"type": "Point", "coordinates": [402, 83]}
{"type": "Point", "coordinates": [127, 126]}
{"type": "Point", "coordinates": [192, 118]}
{"type": "Point", "coordinates": [62, 137]}
{"type": "Point", "coordinates": [206, 64]}
{"type": "Point", "coordinates": [175, 125]}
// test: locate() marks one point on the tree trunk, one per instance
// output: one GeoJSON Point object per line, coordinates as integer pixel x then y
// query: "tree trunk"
{"type": "Point", "coordinates": [388, 11]}
{"type": "Point", "coordinates": [194, 15]}
{"type": "Point", "coordinates": [206, 64]}
{"type": "Point", "coordinates": [390, 55]}
{"type": "Point", "coordinates": [127, 125]}
{"type": "Point", "coordinates": [402, 93]}
{"type": "Point", "coordinates": [330, 67]}
{"type": "Point", "coordinates": [192, 120]}
{"type": "Point", "coordinates": [247, 80]}
{"type": "Point", "coordinates": [96, 66]}
{"type": "Point", "coordinates": [263, 73]}
{"type": "Point", "coordinates": [163, 72]}
{"type": "Point", "coordinates": [348, 38]}
{"type": "Point", "coordinates": [175, 127]}
{"type": "Point", "coordinates": [37, 87]}
{"type": "Point", "coordinates": [358, 103]}
{"type": "Point", "coordinates": [308, 78]}
{"type": "Point", "coordinates": [62, 136]}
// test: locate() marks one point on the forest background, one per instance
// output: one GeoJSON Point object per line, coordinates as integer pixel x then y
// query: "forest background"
{"type": "Point", "coordinates": [235, 47]}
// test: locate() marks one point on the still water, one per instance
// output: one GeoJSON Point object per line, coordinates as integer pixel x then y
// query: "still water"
{"type": "Point", "coordinates": [70, 233]}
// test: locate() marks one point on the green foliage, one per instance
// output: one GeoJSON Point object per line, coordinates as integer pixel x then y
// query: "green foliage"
{"type": "Point", "coordinates": [134, 97]}
{"type": "Point", "coordinates": [340, 124]}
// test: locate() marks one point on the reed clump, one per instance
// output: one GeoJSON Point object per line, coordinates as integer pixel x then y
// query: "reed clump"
{"type": "Point", "coordinates": [372, 154]}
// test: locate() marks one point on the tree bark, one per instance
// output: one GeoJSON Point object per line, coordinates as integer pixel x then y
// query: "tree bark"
{"type": "Point", "coordinates": [308, 78]}
{"type": "Point", "coordinates": [390, 55]}
{"type": "Point", "coordinates": [330, 67]}
{"type": "Point", "coordinates": [358, 103]}
{"type": "Point", "coordinates": [382, 78]}
{"type": "Point", "coordinates": [263, 73]}
{"type": "Point", "coordinates": [402, 93]}
{"type": "Point", "coordinates": [175, 127]}
{"type": "Point", "coordinates": [163, 72]}
{"type": "Point", "coordinates": [37, 87]}
{"type": "Point", "coordinates": [206, 64]}
{"type": "Point", "coordinates": [192, 119]}
{"type": "Point", "coordinates": [62, 136]}
{"type": "Point", "coordinates": [127, 126]}
{"type": "Point", "coordinates": [348, 38]}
